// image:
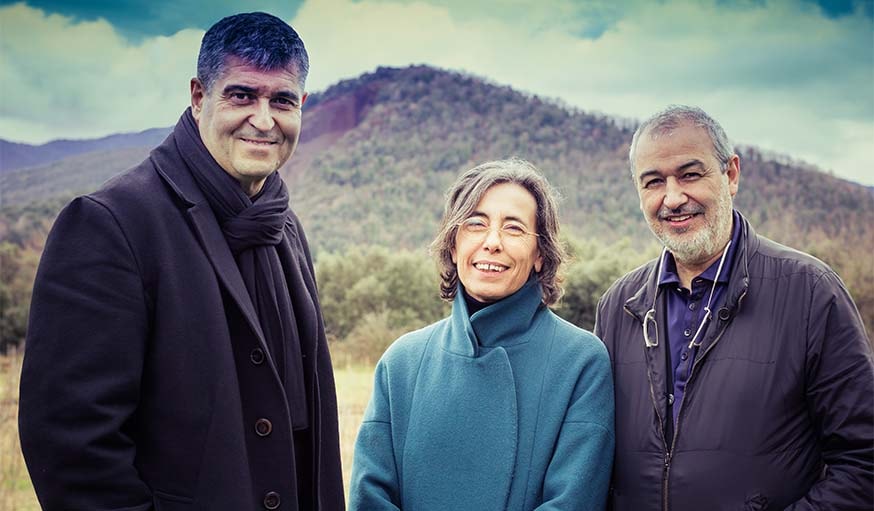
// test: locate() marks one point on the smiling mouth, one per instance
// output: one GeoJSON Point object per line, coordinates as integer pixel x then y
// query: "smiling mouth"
{"type": "Point", "coordinates": [679, 218]}
{"type": "Point", "coordinates": [494, 268]}
{"type": "Point", "coordinates": [258, 142]}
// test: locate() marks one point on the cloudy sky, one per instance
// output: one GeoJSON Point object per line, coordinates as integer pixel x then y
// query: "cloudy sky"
{"type": "Point", "coordinates": [791, 76]}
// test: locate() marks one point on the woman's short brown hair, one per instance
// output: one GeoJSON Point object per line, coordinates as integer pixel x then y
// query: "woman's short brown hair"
{"type": "Point", "coordinates": [462, 199]}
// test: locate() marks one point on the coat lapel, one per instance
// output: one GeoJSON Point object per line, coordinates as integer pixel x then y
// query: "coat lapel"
{"type": "Point", "coordinates": [216, 248]}
{"type": "Point", "coordinates": [175, 173]}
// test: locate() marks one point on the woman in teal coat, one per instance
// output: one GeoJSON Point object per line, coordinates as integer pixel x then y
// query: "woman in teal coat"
{"type": "Point", "coordinates": [502, 405]}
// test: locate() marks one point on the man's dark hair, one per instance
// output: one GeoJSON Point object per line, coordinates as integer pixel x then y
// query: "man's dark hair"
{"type": "Point", "coordinates": [260, 39]}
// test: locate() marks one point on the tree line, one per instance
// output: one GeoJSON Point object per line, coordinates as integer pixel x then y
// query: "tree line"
{"type": "Point", "coordinates": [372, 294]}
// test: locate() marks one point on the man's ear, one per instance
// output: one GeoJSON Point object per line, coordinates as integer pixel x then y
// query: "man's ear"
{"type": "Point", "coordinates": [733, 174]}
{"type": "Point", "coordinates": [198, 92]}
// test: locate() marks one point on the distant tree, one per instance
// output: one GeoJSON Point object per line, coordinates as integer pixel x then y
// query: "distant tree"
{"type": "Point", "coordinates": [368, 289]}
{"type": "Point", "coordinates": [593, 268]}
{"type": "Point", "coordinates": [17, 270]}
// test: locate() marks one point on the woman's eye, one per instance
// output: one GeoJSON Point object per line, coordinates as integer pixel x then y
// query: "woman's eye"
{"type": "Point", "coordinates": [475, 225]}
{"type": "Point", "coordinates": [513, 229]}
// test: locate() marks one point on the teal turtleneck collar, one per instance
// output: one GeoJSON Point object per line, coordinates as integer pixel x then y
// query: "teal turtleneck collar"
{"type": "Point", "coordinates": [506, 322]}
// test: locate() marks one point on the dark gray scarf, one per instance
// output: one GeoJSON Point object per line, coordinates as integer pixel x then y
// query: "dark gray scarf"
{"type": "Point", "coordinates": [255, 232]}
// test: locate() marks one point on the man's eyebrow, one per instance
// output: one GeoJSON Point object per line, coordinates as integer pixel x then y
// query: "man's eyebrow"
{"type": "Point", "coordinates": [287, 94]}
{"type": "Point", "coordinates": [686, 166]}
{"type": "Point", "coordinates": [232, 88]}
{"type": "Point", "coordinates": [239, 88]}
{"type": "Point", "coordinates": [648, 173]}
{"type": "Point", "coordinates": [689, 164]}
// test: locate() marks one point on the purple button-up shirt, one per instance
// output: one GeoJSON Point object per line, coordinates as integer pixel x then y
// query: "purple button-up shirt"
{"type": "Point", "coordinates": [685, 312]}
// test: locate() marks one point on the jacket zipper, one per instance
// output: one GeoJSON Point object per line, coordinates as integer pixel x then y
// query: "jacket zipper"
{"type": "Point", "coordinates": [669, 455]}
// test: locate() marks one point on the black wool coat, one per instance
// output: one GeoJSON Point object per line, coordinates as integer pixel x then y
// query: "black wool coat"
{"type": "Point", "coordinates": [147, 383]}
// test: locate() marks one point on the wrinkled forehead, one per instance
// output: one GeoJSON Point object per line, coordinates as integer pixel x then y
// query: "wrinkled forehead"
{"type": "Point", "coordinates": [241, 70]}
{"type": "Point", "coordinates": [667, 140]}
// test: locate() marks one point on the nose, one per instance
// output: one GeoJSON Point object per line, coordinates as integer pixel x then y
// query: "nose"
{"type": "Point", "coordinates": [675, 196]}
{"type": "Point", "coordinates": [262, 118]}
{"type": "Point", "coordinates": [493, 242]}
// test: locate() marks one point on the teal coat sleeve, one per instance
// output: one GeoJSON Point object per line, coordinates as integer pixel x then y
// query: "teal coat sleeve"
{"type": "Point", "coordinates": [374, 483]}
{"type": "Point", "coordinates": [579, 472]}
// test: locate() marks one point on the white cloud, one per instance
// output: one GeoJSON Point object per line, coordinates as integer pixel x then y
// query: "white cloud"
{"type": "Point", "coordinates": [777, 74]}
{"type": "Point", "coordinates": [80, 80]}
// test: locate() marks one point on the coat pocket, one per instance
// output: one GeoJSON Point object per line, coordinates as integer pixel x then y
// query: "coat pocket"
{"type": "Point", "coordinates": [169, 502]}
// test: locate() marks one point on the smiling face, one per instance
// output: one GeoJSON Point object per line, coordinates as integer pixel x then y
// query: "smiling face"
{"type": "Point", "coordinates": [250, 120]}
{"type": "Point", "coordinates": [684, 195]}
{"type": "Point", "coordinates": [492, 265]}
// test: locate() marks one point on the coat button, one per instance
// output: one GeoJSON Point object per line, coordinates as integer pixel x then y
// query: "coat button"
{"type": "Point", "coordinates": [271, 500]}
{"type": "Point", "coordinates": [687, 332]}
{"type": "Point", "coordinates": [724, 313]}
{"type": "Point", "coordinates": [257, 356]}
{"type": "Point", "coordinates": [684, 355]}
{"type": "Point", "coordinates": [263, 427]}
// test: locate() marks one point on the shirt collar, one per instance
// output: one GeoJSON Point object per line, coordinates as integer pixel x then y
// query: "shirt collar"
{"type": "Point", "coordinates": [670, 275]}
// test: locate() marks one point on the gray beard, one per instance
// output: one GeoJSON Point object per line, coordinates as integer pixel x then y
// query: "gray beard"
{"type": "Point", "coordinates": [707, 242]}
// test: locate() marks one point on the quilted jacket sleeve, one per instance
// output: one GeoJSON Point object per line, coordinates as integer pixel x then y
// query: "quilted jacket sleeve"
{"type": "Point", "coordinates": [840, 385]}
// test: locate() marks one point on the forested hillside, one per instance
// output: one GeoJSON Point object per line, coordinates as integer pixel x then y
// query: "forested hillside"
{"type": "Point", "coordinates": [378, 151]}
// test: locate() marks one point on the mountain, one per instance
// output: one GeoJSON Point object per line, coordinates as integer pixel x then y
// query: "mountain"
{"type": "Point", "coordinates": [69, 176]}
{"type": "Point", "coordinates": [15, 155]}
{"type": "Point", "coordinates": [377, 152]}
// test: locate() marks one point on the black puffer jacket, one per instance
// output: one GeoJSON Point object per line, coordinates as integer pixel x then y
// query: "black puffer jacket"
{"type": "Point", "coordinates": [779, 409]}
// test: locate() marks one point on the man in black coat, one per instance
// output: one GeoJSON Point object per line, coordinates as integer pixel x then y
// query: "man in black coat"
{"type": "Point", "coordinates": [176, 356]}
{"type": "Point", "coordinates": [743, 372]}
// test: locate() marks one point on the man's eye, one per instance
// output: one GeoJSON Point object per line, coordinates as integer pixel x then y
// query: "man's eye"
{"type": "Point", "coordinates": [690, 176]}
{"type": "Point", "coordinates": [240, 97]}
{"type": "Point", "coordinates": [284, 103]}
{"type": "Point", "coordinates": [652, 183]}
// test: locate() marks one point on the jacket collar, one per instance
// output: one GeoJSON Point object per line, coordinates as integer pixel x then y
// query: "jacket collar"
{"type": "Point", "coordinates": [506, 322]}
{"type": "Point", "coordinates": [171, 166]}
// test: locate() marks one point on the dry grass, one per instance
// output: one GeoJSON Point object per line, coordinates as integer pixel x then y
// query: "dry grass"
{"type": "Point", "coordinates": [354, 384]}
{"type": "Point", "coordinates": [15, 489]}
